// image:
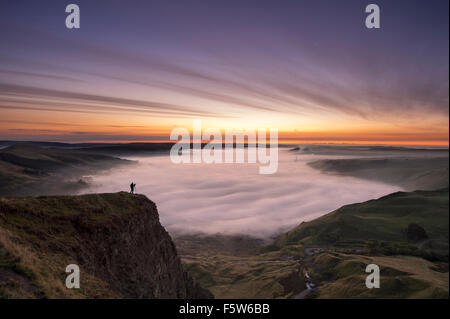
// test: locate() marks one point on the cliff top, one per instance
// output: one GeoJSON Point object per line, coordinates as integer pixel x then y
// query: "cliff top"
{"type": "Point", "coordinates": [116, 239]}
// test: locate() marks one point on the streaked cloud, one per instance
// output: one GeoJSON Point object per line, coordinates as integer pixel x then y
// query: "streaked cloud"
{"type": "Point", "coordinates": [290, 65]}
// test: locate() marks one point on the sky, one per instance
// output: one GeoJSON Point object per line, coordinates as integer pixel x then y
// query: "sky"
{"type": "Point", "coordinates": [137, 69]}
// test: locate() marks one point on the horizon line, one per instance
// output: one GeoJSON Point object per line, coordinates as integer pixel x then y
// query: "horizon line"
{"type": "Point", "coordinates": [282, 142]}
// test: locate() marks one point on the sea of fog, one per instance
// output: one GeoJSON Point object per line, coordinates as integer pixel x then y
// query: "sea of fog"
{"type": "Point", "coordinates": [235, 198]}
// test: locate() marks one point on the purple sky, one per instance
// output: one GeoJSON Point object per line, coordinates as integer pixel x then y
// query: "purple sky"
{"type": "Point", "coordinates": [137, 68]}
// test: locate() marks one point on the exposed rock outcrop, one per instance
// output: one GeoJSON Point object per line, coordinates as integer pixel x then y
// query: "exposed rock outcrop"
{"type": "Point", "coordinates": [116, 239]}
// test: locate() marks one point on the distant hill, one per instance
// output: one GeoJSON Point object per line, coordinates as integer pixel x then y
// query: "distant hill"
{"type": "Point", "coordinates": [113, 149]}
{"type": "Point", "coordinates": [31, 170]}
{"type": "Point", "coordinates": [116, 240]}
{"type": "Point", "coordinates": [370, 150]}
{"type": "Point", "coordinates": [411, 173]}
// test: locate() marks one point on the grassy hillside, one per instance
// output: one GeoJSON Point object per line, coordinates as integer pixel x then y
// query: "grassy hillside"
{"type": "Point", "coordinates": [116, 239]}
{"type": "Point", "coordinates": [257, 276]}
{"type": "Point", "coordinates": [232, 267]}
{"type": "Point", "coordinates": [334, 251]}
{"type": "Point", "coordinates": [340, 275]}
{"type": "Point", "coordinates": [336, 248]}
{"type": "Point", "coordinates": [30, 170]}
{"type": "Point", "coordinates": [378, 224]}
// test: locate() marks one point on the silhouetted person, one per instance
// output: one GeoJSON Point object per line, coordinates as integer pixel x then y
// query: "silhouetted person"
{"type": "Point", "coordinates": [132, 187]}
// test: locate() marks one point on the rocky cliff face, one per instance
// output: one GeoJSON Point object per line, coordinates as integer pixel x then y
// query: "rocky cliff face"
{"type": "Point", "coordinates": [116, 239]}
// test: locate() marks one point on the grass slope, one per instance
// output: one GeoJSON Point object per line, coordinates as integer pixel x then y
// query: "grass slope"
{"type": "Point", "coordinates": [341, 275]}
{"type": "Point", "coordinates": [38, 239]}
{"type": "Point", "coordinates": [30, 170]}
{"type": "Point", "coordinates": [116, 239]}
{"type": "Point", "coordinates": [232, 267]}
{"type": "Point", "coordinates": [383, 220]}
{"type": "Point", "coordinates": [334, 250]}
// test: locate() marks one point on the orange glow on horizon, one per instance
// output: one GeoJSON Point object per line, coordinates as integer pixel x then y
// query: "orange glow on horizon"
{"type": "Point", "coordinates": [290, 142]}
{"type": "Point", "coordinates": [59, 127]}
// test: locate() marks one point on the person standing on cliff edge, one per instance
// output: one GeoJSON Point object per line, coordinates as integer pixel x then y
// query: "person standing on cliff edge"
{"type": "Point", "coordinates": [132, 187]}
